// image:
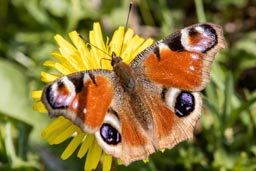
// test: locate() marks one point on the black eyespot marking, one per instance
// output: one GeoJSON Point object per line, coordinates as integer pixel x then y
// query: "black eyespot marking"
{"type": "Point", "coordinates": [112, 111]}
{"type": "Point", "coordinates": [49, 94]}
{"type": "Point", "coordinates": [77, 81]}
{"type": "Point", "coordinates": [50, 99]}
{"type": "Point", "coordinates": [92, 78]}
{"type": "Point", "coordinates": [163, 93]}
{"type": "Point", "coordinates": [209, 29]}
{"type": "Point", "coordinates": [185, 104]}
{"type": "Point", "coordinates": [174, 42]}
{"type": "Point", "coordinates": [60, 84]}
{"type": "Point", "coordinates": [109, 134]}
{"type": "Point", "coordinates": [157, 53]}
{"type": "Point", "coordinates": [211, 32]}
{"type": "Point", "coordinates": [192, 32]}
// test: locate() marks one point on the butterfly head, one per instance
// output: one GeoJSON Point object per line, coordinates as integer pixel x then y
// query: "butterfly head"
{"type": "Point", "coordinates": [124, 72]}
{"type": "Point", "coordinates": [115, 60]}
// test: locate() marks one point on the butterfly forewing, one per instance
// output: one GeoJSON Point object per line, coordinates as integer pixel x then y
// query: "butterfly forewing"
{"type": "Point", "coordinates": [183, 59]}
{"type": "Point", "coordinates": [82, 97]}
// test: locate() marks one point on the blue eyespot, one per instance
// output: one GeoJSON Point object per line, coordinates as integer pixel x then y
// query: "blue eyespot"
{"type": "Point", "coordinates": [185, 104]}
{"type": "Point", "coordinates": [109, 134]}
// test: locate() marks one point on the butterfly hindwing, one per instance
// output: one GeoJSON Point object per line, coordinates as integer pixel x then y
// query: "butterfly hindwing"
{"type": "Point", "coordinates": [122, 135]}
{"type": "Point", "coordinates": [175, 116]}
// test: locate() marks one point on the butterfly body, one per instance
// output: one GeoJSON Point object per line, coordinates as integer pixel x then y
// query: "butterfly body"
{"type": "Point", "coordinates": [148, 105]}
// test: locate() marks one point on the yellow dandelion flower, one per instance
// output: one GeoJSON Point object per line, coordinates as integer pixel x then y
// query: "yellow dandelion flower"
{"type": "Point", "coordinates": [77, 57]}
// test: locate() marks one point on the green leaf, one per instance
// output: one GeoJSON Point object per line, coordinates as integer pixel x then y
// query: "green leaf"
{"type": "Point", "coordinates": [15, 98]}
{"type": "Point", "coordinates": [228, 95]}
{"type": "Point", "coordinates": [235, 114]}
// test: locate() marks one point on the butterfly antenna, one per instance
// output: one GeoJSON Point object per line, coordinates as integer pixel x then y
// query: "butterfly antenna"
{"type": "Point", "coordinates": [128, 16]}
{"type": "Point", "coordinates": [86, 41]}
{"type": "Point", "coordinates": [127, 20]}
{"type": "Point", "coordinates": [97, 49]}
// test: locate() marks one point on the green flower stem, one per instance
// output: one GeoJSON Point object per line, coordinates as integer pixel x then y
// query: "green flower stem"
{"type": "Point", "coordinates": [200, 11]}
{"type": "Point", "coordinates": [10, 149]}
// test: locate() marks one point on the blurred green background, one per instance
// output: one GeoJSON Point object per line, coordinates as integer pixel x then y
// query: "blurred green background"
{"type": "Point", "coordinates": [225, 137]}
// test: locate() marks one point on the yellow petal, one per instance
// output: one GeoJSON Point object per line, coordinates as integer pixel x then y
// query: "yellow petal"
{"type": "Point", "coordinates": [107, 162]}
{"type": "Point", "coordinates": [98, 48]}
{"type": "Point", "coordinates": [117, 41]}
{"type": "Point", "coordinates": [131, 48]}
{"type": "Point", "coordinates": [37, 95]}
{"type": "Point", "coordinates": [39, 106]}
{"type": "Point", "coordinates": [71, 62]}
{"type": "Point", "coordinates": [55, 125]}
{"type": "Point", "coordinates": [87, 59]}
{"type": "Point", "coordinates": [72, 146]}
{"type": "Point", "coordinates": [46, 77]}
{"type": "Point", "coordinates": [66, 48]}
{"type": "Point", "coordinates": [76, 39]}
{"type": "Point", "coordinates": [119, 162]}
{"type": "Point", "coordinates": [53, 137]}
{"type": "Point", "coordinates": [65, 134]}
{"type": "Point", "coordinates": [89, 139]}
{"type": "Point", "coordinates": [145, 160]}
{"type": "Point", "coordinates": [145, 45]}
{"type": "Point", "coordinates": [83, 52]}
{"type": "Point", "coordinates": [59, 67]}
{"type": "Point", "coordinates": [128, 35]}
{"type": "Point", "coordinates": [74, 63]}
{"type": "Point", "coordinates": [96, 38]}
{"type": "Point", "coordinates": [58, 56]}
{"type": "Point", "coordinates": [93, 157]}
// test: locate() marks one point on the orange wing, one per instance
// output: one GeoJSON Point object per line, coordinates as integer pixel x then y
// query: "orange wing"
{"type": "Point", "coordinates": [183, 59]}
{"type": "Point", "coordinates": [84, 98]}
{"type": "Point", "coordinates": [97, 103]}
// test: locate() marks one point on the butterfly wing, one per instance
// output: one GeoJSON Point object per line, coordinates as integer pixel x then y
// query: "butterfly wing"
{"type": "Point", "coordinates": [171, 73]}
{"type": "Point", "coordinates": [182, 59]}
{"type": "Point", "coordinates": [175, 113]}
{"type": "Point", "coordinates": [82, 97]}
{"type": "Point", "coordinates": [96, 102]}
{"type": "Point", "coordinates": [122, 134]}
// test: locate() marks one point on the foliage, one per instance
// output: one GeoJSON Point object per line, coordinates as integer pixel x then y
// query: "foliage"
{"type": "Point", "coordinates": [225, 136]}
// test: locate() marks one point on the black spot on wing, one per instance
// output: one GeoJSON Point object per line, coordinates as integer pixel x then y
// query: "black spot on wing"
{"type": "Point", "coordinates": [210, 31]}
{"type": "Point", "coordinates": [109, 134]}
{"type": "Point", "coordinates": [163, 93]}
{"type": "Point", "coordinates": [58, 98]}
{"type": "Point", "coordinates": [174, 42]}
{"type": "Point", "coordinates": [52, 101]}
{"type": "Point", "coordinates": [203, 39]}
{"type": "Point", "coordinates": [60, 84]}
{"type": "Point", "coordinates": [185, 104]}
{"type": "Point", "coordinates": [157, 53]}
{"type": "Point", "coordinates": [92, 78]}
{"type": "Point", "coordinates": [50, 98]}
{"type": "Point", "coordinates": [112, 111]}
{"type": "Point", "coordinates": [77, 80]}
